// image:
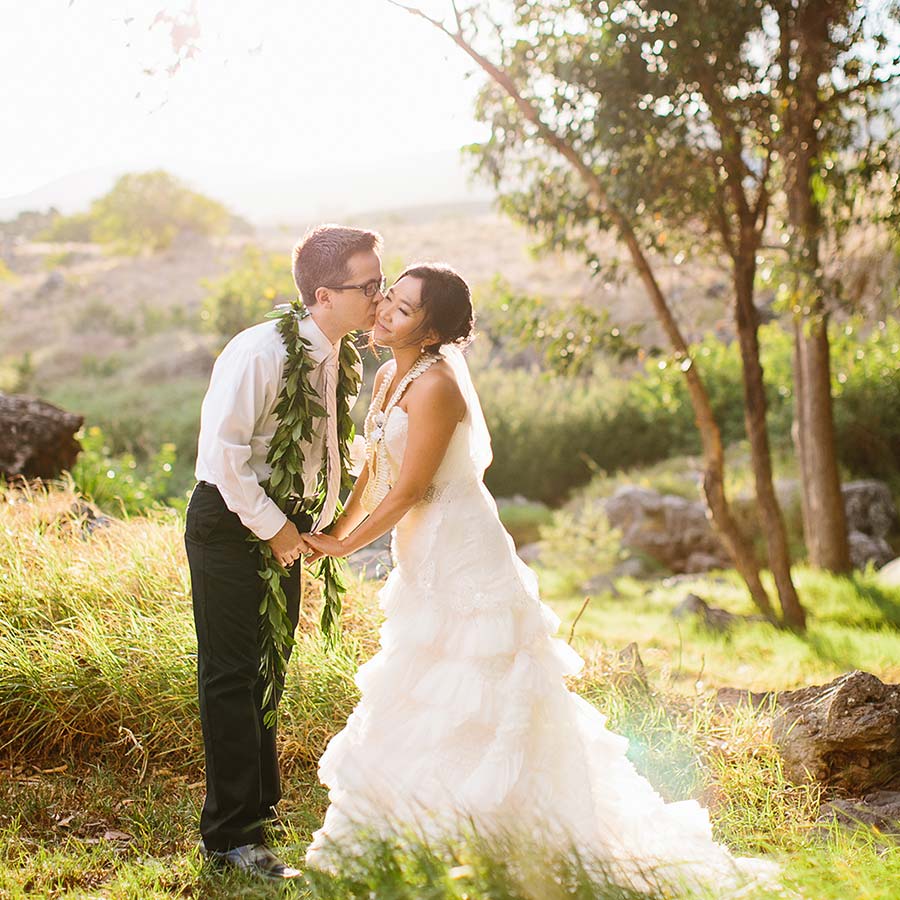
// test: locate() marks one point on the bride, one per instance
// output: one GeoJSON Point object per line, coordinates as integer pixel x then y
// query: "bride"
{"type": "Point", "coordinates": [465, 716]}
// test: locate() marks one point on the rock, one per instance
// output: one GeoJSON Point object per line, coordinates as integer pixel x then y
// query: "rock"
{"type": "Point", "coordinates": [880, 810]}
{"type": "Point", "coordinates": [37, 439]}
{"type": "Point", "coordinates": [701, 562]}
{"type": "Point", "coordinates": [870, 508]}
{"type": "Point", "coordinates": [87, 516]}
{"type": "Point", "coordinates": [529, 553]}
{"type": "Point", "coordinates": [515, 500]}
{"type": "Point", "coordinates": [373, 561]}
{"type": "Point", "coordinates": [844, 735]}
{"type": "Point", "coordinates": [667, 528]}
{"type": "Point", "coordinates": [632, 567]}
{"type": "Point", "coordinates": [889, 576]}
{"type": "Point", "coordinates": [625, 669]}
{"type": "Point", "coordinates": [629, 668]}
{"type": "Point", "coordinates": [51, 284]}
{"type": "Point", "coordinates": [865, 548]}
{"type": "Point", "coordinates": [730, 697]}
{"type": "Point", "coordinates": [713, 618]}
{"type": "Point", "coordinates": [600, 584]}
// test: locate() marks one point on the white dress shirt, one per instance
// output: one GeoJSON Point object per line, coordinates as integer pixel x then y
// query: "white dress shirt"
{"type": "Point", "coordinates": [237, 421]}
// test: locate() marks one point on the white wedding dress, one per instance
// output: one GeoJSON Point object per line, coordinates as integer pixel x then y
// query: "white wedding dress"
{"type": "Point", "coordinates": [465, 716]}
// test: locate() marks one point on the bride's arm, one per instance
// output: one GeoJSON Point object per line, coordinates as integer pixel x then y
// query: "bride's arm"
{"type": "Point", "coordinates": [353, 512]}
{"type": "Point", "coordinates": [434, 409]}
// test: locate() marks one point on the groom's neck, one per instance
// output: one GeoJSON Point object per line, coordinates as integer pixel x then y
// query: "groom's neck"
{"type": "Point", "coordinates": [333, 329]}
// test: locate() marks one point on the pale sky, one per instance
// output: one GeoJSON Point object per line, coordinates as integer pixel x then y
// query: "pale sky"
{"type": "Point", "coordinates": [277, 85]}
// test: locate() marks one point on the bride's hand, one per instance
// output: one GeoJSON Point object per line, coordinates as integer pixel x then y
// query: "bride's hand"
{"type": "Point", "coordinates": [325, 545]}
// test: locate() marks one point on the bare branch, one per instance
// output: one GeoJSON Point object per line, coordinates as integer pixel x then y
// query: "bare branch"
{"type": "Point", "coordinates": [761, 207]}
{"type": "Point", "coordinates": [416, 11]}
{"type": "Point", "coordinates": [456, 13]}
{"type": "Point", "coordinates": [722, 219]}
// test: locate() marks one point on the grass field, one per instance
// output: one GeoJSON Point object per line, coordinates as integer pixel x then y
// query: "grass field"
{"type": "Point", "coordinates": [99, 739]}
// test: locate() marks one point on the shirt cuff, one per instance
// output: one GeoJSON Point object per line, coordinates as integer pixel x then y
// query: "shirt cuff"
{"type": "Point", "coordinates": [269, 523]}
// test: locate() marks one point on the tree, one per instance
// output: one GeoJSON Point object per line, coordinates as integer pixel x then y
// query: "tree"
{"type": "Point", "coordinates": [145, 212]}
{"type": "Point", "coordinates": [546, 102]}
{"type": "Point", "coordinates": [837, 61]}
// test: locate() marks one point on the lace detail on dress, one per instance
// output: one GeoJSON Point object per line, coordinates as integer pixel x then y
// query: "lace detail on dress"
{"type": "Point", "coordinates": [379, 482]}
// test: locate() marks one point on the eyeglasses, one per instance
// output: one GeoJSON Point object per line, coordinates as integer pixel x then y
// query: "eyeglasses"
{"type": "Point", "coordinates": [370, 288]}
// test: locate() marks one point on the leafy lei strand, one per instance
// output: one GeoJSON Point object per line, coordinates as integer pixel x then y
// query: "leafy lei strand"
{"type": "Point", "coordinates": [296, 412]}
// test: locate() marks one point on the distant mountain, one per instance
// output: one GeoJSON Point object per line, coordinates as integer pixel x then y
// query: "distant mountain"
{"type": "Point", "coordinates": [272, 197]}
{"type": "Point", "coordinates": [69, 194]}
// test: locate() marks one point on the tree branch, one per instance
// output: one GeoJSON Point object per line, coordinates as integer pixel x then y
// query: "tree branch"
{"type": "Point", "coordinates": [761, 207]}
{"type": "Point", "coordinates": [415, 11]}
{"type": "Point", "coordinates": [456, 13]}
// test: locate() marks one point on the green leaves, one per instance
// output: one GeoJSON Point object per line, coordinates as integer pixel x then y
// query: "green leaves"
{"type": "Point", "coordinates": [297, 408]}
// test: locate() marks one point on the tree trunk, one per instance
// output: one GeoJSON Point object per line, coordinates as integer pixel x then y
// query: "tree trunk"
{"type": "Point", "coordinates": [769, 510]}
{"type": "Point", "coordinates": [735, 541]}
{"type": "Point", "coordinates": [827, 541]}
{"type": "Point", "coordinates": [799, 430]}
{"type": "Point", "coordinates": [825, 524]}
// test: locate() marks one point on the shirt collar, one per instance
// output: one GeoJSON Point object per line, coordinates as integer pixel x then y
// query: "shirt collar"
{"type": "Point", "coordinates": [321, 348]}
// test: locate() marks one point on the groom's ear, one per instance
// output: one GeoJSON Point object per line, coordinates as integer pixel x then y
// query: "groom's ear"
{"type": "Point", "coordinates": [323, 297]}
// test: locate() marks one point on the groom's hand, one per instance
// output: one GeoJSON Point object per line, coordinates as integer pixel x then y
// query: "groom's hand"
{"type": "Point", "coordinates": [287, 545]}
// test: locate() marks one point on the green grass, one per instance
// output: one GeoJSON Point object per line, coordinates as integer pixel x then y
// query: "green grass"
{"type": "Point", "coordinates": [854, 623]}
{"type": "Point", "coordinates": [100, 747]}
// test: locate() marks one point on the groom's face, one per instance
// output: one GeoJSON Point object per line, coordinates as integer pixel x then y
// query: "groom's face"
{"type": "Point", "coordinates": [358, 310]}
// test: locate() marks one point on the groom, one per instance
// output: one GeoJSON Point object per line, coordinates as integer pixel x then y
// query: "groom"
{"type": "Point", "coordinates": [337, 271]}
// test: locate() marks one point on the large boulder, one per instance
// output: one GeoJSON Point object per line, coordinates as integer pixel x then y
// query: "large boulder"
{"type": "Point", "coordinates": [711, 617]}
{"type": "Point", "coordinates": [871, 517]}
{"type": "Point", "coordinates": [668, 528]}
{"type": "Point", "coordinates": [865, 549]}
{"type": "Point", "coordinates": [844, 735]}
{"type": "Point", "coordinates": [37, 439]}
{"type": "Point", "coordinates": [869, 507]}
{"type": "Point", "coordinates": [880, 810]}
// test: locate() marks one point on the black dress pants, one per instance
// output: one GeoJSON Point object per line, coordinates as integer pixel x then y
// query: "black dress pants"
{"type": "Point", "coordinates": [242, 777]}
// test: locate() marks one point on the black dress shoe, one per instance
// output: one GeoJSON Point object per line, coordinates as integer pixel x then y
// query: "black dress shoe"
{"type": "Point", "coordinates": [257, 859]}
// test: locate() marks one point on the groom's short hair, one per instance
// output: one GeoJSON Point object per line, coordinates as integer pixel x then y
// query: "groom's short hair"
{"type": "Point", "coordinates": [320, 257]}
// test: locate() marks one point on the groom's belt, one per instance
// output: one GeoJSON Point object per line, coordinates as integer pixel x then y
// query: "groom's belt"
{"type": "Point", "coordinates": [294, 499]}
{"type": "Point", "coordinates": [299, 516]}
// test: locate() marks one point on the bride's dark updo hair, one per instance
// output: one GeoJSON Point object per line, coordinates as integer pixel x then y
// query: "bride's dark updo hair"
{"type": "Point", "coordinates": [446, 302]}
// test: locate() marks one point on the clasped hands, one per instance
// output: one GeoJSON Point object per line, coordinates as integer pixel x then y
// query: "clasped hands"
{"type": "Point", "coordinates": [288, 545]}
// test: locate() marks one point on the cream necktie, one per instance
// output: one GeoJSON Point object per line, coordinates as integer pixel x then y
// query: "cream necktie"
{"type": "Point", "coordinates": [332, 450]}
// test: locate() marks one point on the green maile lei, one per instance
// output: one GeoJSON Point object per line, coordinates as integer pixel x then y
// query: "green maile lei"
{"type": "Point", "coordinates": [298, 411]}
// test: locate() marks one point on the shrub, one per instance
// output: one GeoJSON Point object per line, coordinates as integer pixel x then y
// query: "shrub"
{"type": "Point", "coordinates": [570, 337]}
{"type": "Point", "coordinates": [144, 211]}
{"type": "Point", "coordinates": [65, 229]}
{"type": "Point", "coordinates": [544, 431]}
{"type": "Point", "coordinates": [250, 290]}
{"type": "Point", "coordinates": [115, 482]}
{"type": "Point", "coordinates": [580, 543]}
{"type": "Point", "coordinates": [6, 274]}
{"type": "Point", "coordinates": [551, 432]}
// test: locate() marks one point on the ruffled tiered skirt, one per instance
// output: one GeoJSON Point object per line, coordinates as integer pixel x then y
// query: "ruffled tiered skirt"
{"type": "Point", "coordinates": [465, 718]}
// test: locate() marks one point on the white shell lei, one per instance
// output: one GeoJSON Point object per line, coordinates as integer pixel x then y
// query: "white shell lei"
{"type": "Point", "coordinates": [378, 483]}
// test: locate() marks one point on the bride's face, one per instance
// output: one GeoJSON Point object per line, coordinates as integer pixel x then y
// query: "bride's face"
{"type": "Point", "coordinates": [400, 320]}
